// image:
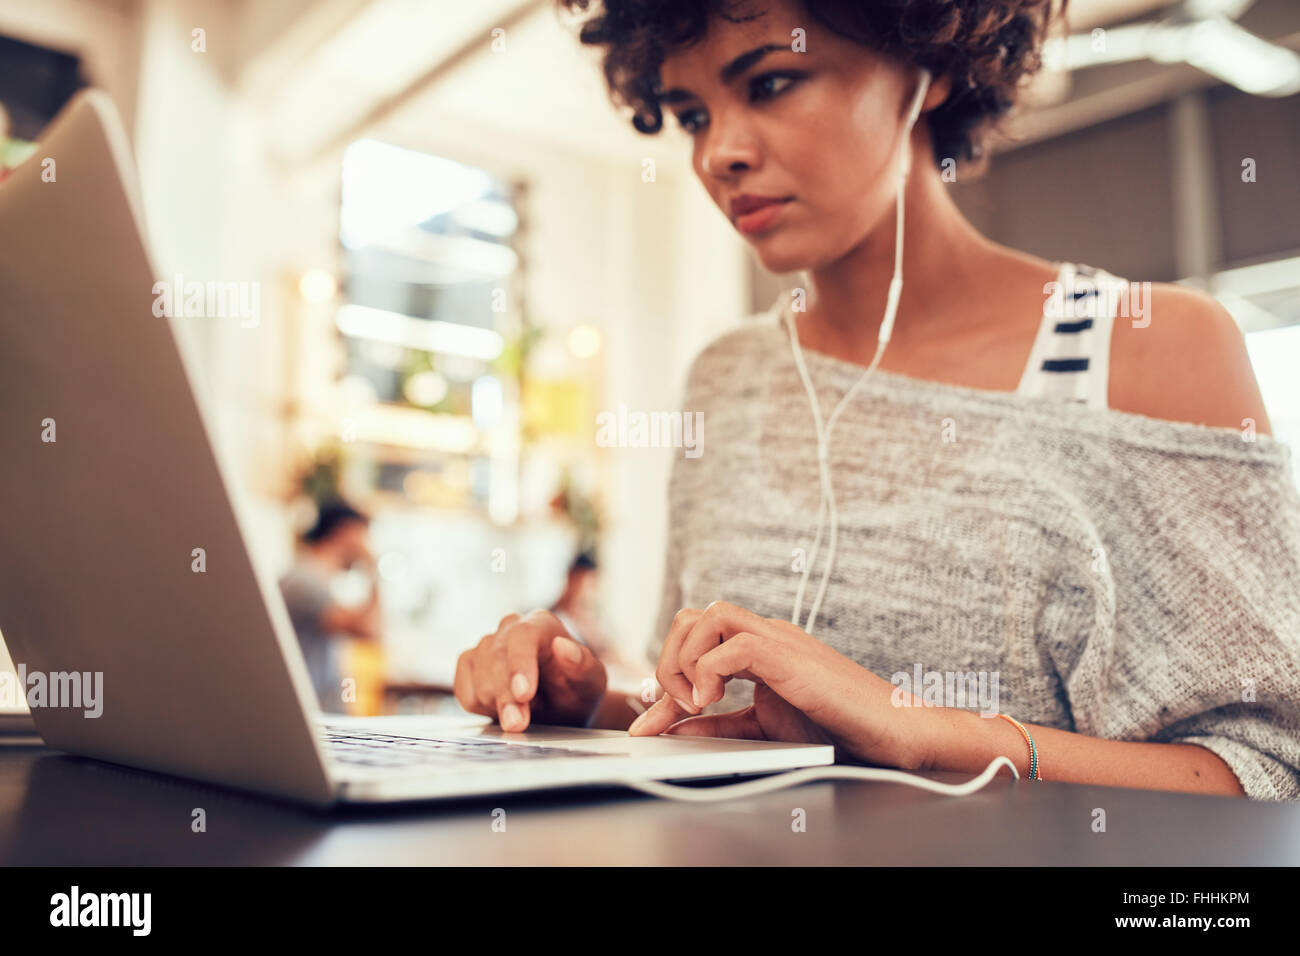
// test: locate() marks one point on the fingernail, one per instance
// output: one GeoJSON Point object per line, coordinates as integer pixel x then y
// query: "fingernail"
{"type": "Point", "coordinates": [683, 705]}
{"type": "Point", "coordinates": [512, 715]}
{"type": "Point", "coordinates": [695, 696]}
{"type": "Point", "coordinates": [519, 685]}
{"type": "Point", "coordinates": [571, 651]}
{"type": "Point", "coordinates": [638, 722]}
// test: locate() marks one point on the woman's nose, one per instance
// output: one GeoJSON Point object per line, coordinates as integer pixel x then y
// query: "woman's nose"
{"type": "Point", "coordinates": [728, 150]}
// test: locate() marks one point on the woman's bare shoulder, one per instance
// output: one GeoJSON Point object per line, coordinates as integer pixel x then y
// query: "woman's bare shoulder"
{"type": "Point", "coordinates": [1184, 360]}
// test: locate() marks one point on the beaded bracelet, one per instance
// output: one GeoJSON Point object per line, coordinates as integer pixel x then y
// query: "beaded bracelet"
{"type": "Point", "coordinates": [1033, 751]}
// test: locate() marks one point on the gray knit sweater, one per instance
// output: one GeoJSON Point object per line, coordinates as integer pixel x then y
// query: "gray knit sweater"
{"type": "Point", "coordinates": [1125, 577]}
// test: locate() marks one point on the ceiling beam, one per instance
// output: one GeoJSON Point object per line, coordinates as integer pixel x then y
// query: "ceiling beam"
{"type": "Point", "coordinates": [386, 108]}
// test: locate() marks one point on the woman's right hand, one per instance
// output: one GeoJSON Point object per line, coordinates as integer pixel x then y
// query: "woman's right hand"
{"type": "Point", "coordinates": [530, 671]}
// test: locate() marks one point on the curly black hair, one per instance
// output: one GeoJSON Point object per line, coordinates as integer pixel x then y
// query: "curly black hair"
{"type": "Point", "coordinates": [330, 517]}
{"type": "Point", "coordinates": [986, 47]}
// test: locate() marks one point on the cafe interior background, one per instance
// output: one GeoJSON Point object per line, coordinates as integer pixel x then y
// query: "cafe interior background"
{"type": "Point", "coordinates": [464, 254]}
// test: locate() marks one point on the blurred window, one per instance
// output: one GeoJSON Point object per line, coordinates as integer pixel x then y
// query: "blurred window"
{"type": "Point", "coordinates": [429, 315]}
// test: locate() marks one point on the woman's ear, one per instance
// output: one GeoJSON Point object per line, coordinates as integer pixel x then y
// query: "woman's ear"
{"type": "Point", "coordinates": [938, 93]}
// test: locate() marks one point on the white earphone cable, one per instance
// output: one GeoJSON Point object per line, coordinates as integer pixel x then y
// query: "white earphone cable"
{"type": "Point", "coordinates": [827, 496]}
{"type": "Point", "coordinates": [750, 788]}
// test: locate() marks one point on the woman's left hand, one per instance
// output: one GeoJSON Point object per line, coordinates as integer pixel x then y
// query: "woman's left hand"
{"type": "Point", "coordinates": [804, 691]}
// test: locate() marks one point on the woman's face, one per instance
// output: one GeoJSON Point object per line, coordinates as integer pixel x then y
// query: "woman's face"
{"type": "Point", "coordinates": [820, 129]}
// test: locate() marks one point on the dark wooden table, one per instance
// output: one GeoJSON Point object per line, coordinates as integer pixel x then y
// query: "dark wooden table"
{"type": "Point", "coordinates": [60, 810]}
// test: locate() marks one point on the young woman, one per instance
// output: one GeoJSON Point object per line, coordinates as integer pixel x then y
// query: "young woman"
{"type": "Point", "coordinates": [1052, 488]}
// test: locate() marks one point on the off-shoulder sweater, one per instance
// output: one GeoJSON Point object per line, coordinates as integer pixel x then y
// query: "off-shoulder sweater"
{"type": "Point", "coordinates": [1125, 577]}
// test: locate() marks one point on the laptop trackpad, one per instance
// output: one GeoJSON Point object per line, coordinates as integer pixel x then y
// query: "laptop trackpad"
{"type": "Point", "coordinates": [618, 741]}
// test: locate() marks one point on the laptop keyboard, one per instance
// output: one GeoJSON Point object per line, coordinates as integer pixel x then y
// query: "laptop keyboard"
{"type": "Point", "coordinates": [390, 750]}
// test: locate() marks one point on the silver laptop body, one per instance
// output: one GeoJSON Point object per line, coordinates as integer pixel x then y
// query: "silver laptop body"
{"type": "Point", "coordinates": [202, 676]}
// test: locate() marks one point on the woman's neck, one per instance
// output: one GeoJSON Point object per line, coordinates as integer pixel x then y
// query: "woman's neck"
{"type": "Point", "coordinates": [943, 255]}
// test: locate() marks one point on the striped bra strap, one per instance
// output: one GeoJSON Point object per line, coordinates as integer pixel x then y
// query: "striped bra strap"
{"type": "Point", "coordinates": [1070, 360]}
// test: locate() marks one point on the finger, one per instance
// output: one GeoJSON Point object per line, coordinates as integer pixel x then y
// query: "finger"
{"type": "Point", "coordinates": [737, 725]}
{"type": "Point", "coordinates": [744, 655]}
{"type": "Point", "coordinates": [494, 666]}
{"type": "Point", "coordinates": [719, 622]}
{"type": "Point", "coordinates": [511, 715]}
{"type": "Point", "coordinates": [571, 670]}
{"type": "Point", "coordinates": [523, 644]}
{"type": "Point", "coordinates": [669, 673]}
{"type": "Point", "coordinates": [559, 663]}
{"type": "Point", "coordinates": [663, 714]}
{"type": "Point", "coordinates": [521, 650]}
{"type": "Point", "coordinates": [480, 702]}
{"type": "Point", "coordinates": [568, 656]}
{"type": "Point", "coordinates": [463, 684]}
{"type": "Point", "coordinates": [491, 679]}
{"type": "Point", "coordinates": [480, 692]}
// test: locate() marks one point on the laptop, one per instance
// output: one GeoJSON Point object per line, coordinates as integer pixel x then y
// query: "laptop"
{"type": "Point", "coordinates": [110, 481]}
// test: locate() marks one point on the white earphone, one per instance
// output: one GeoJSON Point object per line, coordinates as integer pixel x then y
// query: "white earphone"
{"type": "Point", "coordinates": [827, 502]}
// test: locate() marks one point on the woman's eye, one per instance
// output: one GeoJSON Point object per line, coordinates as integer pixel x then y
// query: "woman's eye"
{"type": "Point", "coordinates": [763, 87]}
{"type": "Point", "coordinates": [769, 85]}
{"type": "Point", "coordinates": [691, 120]}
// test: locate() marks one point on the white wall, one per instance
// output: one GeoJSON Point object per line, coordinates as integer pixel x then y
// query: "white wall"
{"type": "Point", "coordinates": [676, 278]}
{"type": "Point", "coordinates": [214, 208]}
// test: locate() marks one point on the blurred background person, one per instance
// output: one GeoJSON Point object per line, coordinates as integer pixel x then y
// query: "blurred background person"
{"type": "Point", "coordinates": [578, 608]}
{"type": "Point", "coordinates": [336, 543]}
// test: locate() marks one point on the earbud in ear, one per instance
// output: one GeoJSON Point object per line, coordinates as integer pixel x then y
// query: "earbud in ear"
{"type": "Point", "coordinates": [912, 114]}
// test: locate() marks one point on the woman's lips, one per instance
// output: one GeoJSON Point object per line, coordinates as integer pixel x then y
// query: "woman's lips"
{"type": "Point", "coordinates": [752, 223]}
